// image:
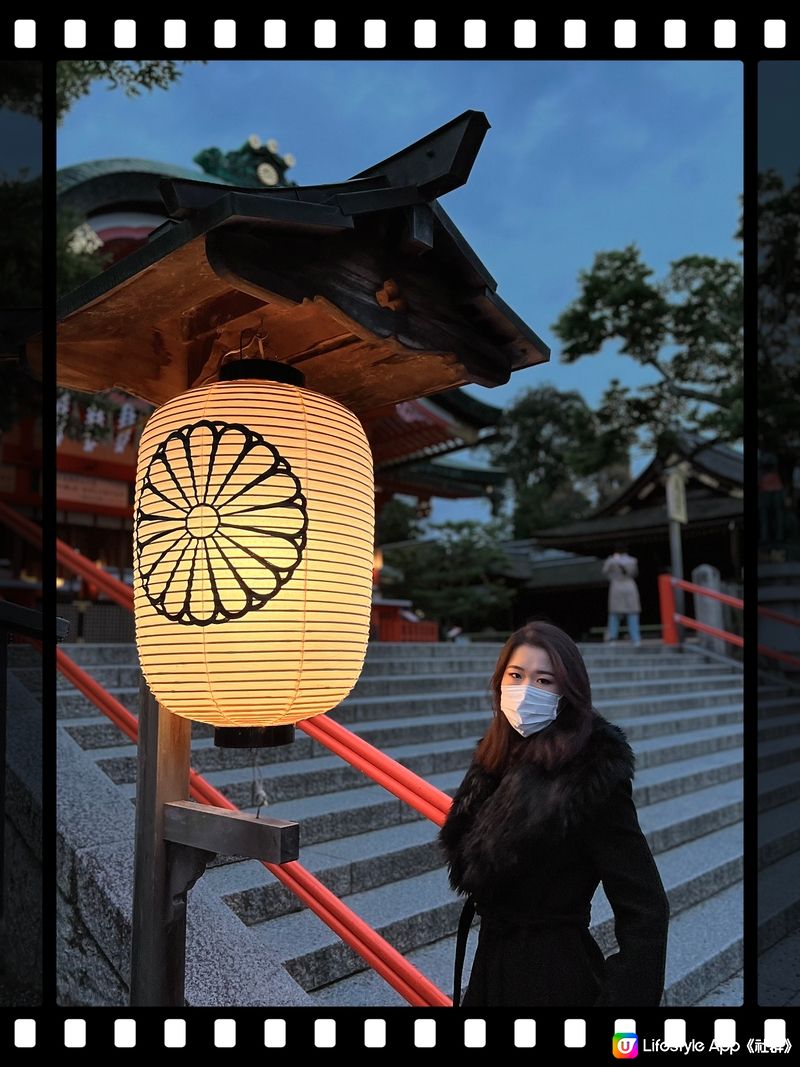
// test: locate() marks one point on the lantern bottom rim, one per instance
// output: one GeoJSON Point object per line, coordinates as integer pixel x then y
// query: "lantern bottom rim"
{"type": "Point", "coordinates": [253, 736]}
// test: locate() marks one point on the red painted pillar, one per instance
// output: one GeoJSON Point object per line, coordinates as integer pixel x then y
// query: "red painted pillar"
{"type": "Point", "coordinates": [666, 600]}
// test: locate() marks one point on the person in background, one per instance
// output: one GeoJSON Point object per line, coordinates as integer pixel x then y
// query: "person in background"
{"type": "Point", "coordinates": [621, 570]}
{"type": "Point", "coordinates": [770, 501]}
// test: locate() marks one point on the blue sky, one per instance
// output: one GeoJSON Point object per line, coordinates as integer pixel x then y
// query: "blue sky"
{"type": "Point", "coordinates": [582, 157]}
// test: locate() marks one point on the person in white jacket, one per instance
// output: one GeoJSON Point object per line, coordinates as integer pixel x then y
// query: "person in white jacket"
{"type": "Point", "coordinates": [621, 569]}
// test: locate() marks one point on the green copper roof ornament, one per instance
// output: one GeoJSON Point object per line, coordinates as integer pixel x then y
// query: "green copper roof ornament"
{"type": "Point", "coordinates": [254, 165]}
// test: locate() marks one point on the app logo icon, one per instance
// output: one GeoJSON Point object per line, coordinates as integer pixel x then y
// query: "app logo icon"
{"type": "Point", "coordinates": [625, 1046]}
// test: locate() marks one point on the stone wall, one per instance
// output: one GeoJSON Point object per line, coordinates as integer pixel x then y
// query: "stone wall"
{"type": "Point", "coordinates": [226, 966]}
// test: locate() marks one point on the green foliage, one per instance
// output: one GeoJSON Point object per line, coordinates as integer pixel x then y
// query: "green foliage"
{"type": "Point", "coordinates": [688, 327]}
{"type": "Point", "coordinates": [74, 78]}
{"type": "Point", "coordinates": [779, 321]}
{"type": "Point", "coordinates": [21, 86]}
{"type": "Point", "coordinates": [21, 243]}
{"type": "Point", "coordinates": [453, 579]}
{"type": "Point", "coordinates": [554, 448]}
{"type": "Point", "coordinates": [397, 521]}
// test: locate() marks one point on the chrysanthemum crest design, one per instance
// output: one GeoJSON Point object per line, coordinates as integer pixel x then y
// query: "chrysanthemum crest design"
{"type": "Point", "coordinates": [220, 526]}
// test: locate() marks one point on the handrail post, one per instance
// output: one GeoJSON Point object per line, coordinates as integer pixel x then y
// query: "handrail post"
{"type": "Point", "coordinates": [666, 600]}
{"type": "Point", "coordinates": [158, 941]}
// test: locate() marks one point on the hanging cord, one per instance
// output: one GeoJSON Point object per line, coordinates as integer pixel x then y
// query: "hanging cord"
{"type": "Point", "coordinates": [259, 792]}
{"type": "Point", "coordinates": [257, 334]}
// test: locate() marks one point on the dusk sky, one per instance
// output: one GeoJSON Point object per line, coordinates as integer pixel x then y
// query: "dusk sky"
{"type": "Point", "coordinates": [778, 129]}
{"type": "Point", "coordinates": [582, 157]}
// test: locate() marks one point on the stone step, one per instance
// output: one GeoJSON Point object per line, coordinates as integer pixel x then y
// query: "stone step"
{"type": "Point", "coordinates": [290, 784]}
{"type": "Point", "coordinates": [706, 933]}
{"type": "Point", "coordinates": [770, 707]}
{"type": "Point", "coordinates": [70, 703]}
{"type": "Point", "coordinates": [595, 655]}
{"type": "Point", "coordinates": [95, 731]}
{"type": "Point", "coordinates": [119, 760]}
{"type": "Point", "coordinates": [778, 900]}
{"type": "Point", "coordinates": [778, 786]}
{"type": "Point", "coordinates": [778, 983]}
{"type": "Point", "coordinates": [325, 816]}
{"type": "Point", "coordinates": [22, 655]}
{"type": "Point", "coordinates": [422, 909]}
{"type": "Point", "coordinates": [778, 751]}
{"type": "Point", "coordinates": [778, 832]}
{"type": "Point", "coordinates": [728, 994]}
{"type": "Point", "coordinates": [363, 861]}
{"type": "Point", "coordinates": [448, 672]}
{"type": "Point", "coordinates": [782, 726]}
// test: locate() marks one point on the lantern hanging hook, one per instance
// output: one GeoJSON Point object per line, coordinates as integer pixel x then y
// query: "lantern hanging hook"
{"type": "Point", "coordinates": [257, 335]}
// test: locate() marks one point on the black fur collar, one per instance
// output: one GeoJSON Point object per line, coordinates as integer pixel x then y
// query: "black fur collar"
{"type": "Point", "coordinates": [493, 821]}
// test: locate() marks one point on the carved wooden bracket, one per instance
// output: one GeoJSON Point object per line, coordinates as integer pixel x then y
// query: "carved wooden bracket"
{"type": "Point", "coordinates": [389, 297]}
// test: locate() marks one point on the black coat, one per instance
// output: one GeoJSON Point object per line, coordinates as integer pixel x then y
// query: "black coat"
{"type": "Point", "coordinates": [531, 848]}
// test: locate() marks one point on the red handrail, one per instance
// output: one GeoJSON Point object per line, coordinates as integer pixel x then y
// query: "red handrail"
{"type": "Point", "coordinates": [701, 590]}
{"type": "Point", "coordinates": [116, 590]}
{"type": "Point", "coordinates": [670, 619]}
{"type": "Point", "coordinates": [703, 627]}
{"type": "Point", "coordinates": [779, 615]}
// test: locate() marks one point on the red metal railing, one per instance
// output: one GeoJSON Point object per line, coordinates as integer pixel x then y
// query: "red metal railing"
{"type": "Point", "coordinates": [402, 782]}
{"type": "Point", "coordinates": [670, 619]}
{"type": "Point", "coordinates": [405, 630]}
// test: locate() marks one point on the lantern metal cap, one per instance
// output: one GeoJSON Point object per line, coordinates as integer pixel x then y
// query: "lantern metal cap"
{"type": "Point", "coordinates": [269, 370]}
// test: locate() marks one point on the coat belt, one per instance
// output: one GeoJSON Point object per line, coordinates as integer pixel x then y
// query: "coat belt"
{"type": "Point", "coordinates": [580, 919]}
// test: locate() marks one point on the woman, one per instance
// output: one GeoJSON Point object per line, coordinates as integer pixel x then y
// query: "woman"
{"type": "Point", "coordinates": [623, 594]}
{"type": "Point", "coordinates": [543, 815]}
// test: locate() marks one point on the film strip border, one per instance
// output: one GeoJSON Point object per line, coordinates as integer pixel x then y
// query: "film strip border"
{"type": "Point", "coordinates": [723, 1035]}
{"type": "Point", "coordinates": [649, 35]}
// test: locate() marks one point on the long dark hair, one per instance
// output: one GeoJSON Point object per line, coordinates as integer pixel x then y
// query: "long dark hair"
{"type": "Point", "coordinates": [570, 730]}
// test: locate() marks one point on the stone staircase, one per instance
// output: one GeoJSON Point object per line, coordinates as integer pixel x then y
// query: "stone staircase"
{"type": "Point", "coordinates": [778, 842]}
{"type": "Point", "coordinates": [427, 705]}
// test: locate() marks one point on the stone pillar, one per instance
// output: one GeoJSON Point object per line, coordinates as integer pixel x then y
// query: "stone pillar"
{"type": "Point", "coordinates": [779, 589]}
{"type": "Point", "coordinates": [709, 611]}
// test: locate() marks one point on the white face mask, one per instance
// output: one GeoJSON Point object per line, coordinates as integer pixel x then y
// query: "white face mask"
{"type": "Point", "coordinates": [528, 708]}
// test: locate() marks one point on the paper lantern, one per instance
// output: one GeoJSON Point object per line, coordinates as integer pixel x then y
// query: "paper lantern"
{"type": "Point", "coordinates": [253, 550]}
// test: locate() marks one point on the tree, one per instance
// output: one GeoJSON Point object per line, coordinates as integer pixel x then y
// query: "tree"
{"type": "Point", "coordinates": [21, 243]}
{"type": "Point", "coordinates": [21, 86]}
{"type": "Point", "coordinates": [397, 521]}
{"type": "Point", "coordinates": [687, 327]}
{"type": "Point", "coordinates": [74, 78]}
{"type": "Point", "coordinates": [453, 579]}
{"type": "Point", "coordinates": [779, 322]}
{"type": "Point", "coordinates": [561, 458]}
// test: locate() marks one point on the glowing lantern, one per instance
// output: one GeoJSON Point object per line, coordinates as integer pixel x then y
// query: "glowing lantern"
{"type": "Point", "coordinates": [253, 551]}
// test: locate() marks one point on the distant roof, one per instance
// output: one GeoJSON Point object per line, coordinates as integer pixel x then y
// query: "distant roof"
{"type": "Point", "coordinates": [468, 408]}
{"type": "Point", "coordinates": [448, 480]}
{"type": "Point", "coordinates": [703, 511]}
{"type": "Point", "coordinates": [715, 463]}
{"type": "Point", "coordinates": [68, 177]}
{"type": "Point", "coordinates": [713, 497]}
